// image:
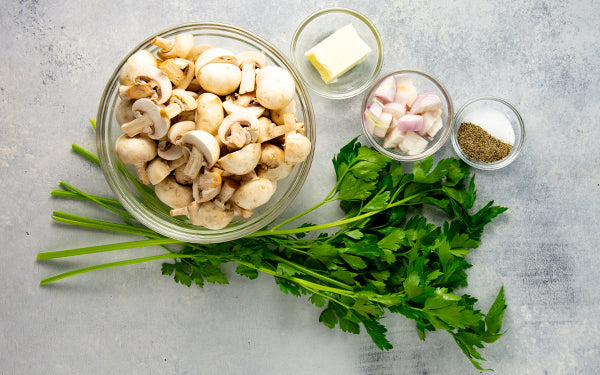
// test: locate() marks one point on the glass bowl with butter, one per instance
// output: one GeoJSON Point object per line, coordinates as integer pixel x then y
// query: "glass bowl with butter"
{"type": "Point", "coordinates": [338, 53]}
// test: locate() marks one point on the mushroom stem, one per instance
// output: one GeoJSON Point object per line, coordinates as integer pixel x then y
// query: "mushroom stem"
{"type": "Point", "coordinates": [142, 124]}
{"type": "Point", "coordinates": [247, 83]}
{"type": "Point", "coordinates": [192, 168]}
{"type": "Point", "coordinates": [140, 169]}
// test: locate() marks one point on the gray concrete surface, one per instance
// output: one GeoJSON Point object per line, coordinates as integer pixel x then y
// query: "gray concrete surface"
{"type": "Point", "coordinates": [542, 56]}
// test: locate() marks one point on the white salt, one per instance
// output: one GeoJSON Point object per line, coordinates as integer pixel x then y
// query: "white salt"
{"type": "Point", "coordinates": [493, 122]}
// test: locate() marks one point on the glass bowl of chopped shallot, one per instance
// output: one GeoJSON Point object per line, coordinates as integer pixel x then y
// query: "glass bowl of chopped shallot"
{"type": "Point", "coordinates": [488, 133]}
{"type": "Point", "coordinates": [407, 115]}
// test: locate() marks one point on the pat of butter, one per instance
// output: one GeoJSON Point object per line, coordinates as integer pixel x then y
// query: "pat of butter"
{"type": "Point", "coordinates": [338, 53]}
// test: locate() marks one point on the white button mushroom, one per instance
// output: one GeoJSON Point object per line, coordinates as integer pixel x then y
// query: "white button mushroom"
{"type": "Point", "coordinates": [271, 156]}
{"type": "Point", "coordinates": [241, 161]}
{"type": "Point", "coordinates": [177, 130]}
{"type": "Point", "coordinates": [180, 72]}
{"type": "Point", "coordinates": [275, 87]}
{"type": "Point", "coordinates": [238, 129]}
{"type": "Point", "coordinates": [148, 119]}
{"type": "Point", "coordinates": [209, 113]}
{"type": "Point", "coordinates": [154, 78]}
{"type": "Point", "coordinates": [219, 78]}
{"type": "Point", "coordinates": [296, 146]}
{"type": "Point", "coordinates": [173, 194]}
{"type": "Point", "coordinates": [254, 193]}
{"type": "Point", "coordinates": [123, 111]}
{"type": "Point", "coordinates": [180, 46]}
{"type": "Point", "coordinates": [133, 63]}
{"type": "Point", "coordinates": [207, 185]}
{"type": "Point", "coordinates": [203, 150]}
{"type": "Point", "coordinates": [214, 55]}
{"type": "Point", "coordinates": [248, 62]}
{"type": "Point", "coordinates": [157, 170]}
{"type": "Point", "coordinates": [180, 100]}
{"type": "Point", "coordinates": [169, 151]}
{"type": "Point", "coordinates": [206, 214]}
{"type": "Point", "coordinates": [136, 151]}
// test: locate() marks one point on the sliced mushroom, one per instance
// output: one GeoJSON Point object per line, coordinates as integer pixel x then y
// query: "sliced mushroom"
{"type": "Point", "coordinates": [253, 193]}
{"type": "Point", "coordinates": [173, 194]}
{"type": "Point", "coordinates": [169, 151]}
{"type": "Point", "coordinates": [177, 130]}
{"type": "Point", "coordinates": [133, 92]}
{"type": "Point", "coordinates": [227, 189]}
{"type": "Point", "coordinates": [271, 156]}
{"type": "Point", "coordinates": [275, 87]}
{"type": "Point", "coordinates": [219, 78]}
{"type": "Point", "coordinates": [268, 130]}
{"type": "Point", "coordinates": [180, 100]}
{"type": "Point", "coordinates": [206, 214]}
{"type": "Point", "coordinates": [197, 50]}
{"type": "Point", "coordinates": [180, 71]}
{"type": "Point", "coordinates": [241, 161]}
{"type": "Point", "coordinates": [249, 61]}
{"type": "Point", "coordinates": [275, 174]}
{"type": "Point", "coordinates": [151, 77]}
{"type": "Point", "coordinates": [137, 151]}
{"type": "Point", "coordinates": [207, 185]}
{"type": "Point", "coordinates": [134, 62]}
{"type": "Point", "coordinates": [157, 170]}
{"type": "Point", "coordinates": [180, 177]}
{"type": "Point", "coordinates": [202, 150]}
{"type": "Point", "coordinates": [147, 120]}
{"type": "Point", "coordinates": [209, 113]}
{"type": "Point", "coordinates": [180, 46]}
{"type": "Point", "coordinates": [234, 103]}
{"type": "Point", "coordinates": [238, 129]}
{"type": "Point", "coordinates": [277, 114]}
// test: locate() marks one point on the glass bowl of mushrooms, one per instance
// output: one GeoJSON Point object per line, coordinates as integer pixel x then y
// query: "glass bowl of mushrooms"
{"type": "Point", "coordinates": [205, 132]}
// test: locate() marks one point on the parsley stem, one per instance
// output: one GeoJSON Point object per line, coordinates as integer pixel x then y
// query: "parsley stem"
{"type": "Point", "coordinates": [72, 195]}
{"type": "Point", "coordinates": [92, 198]}
{"type": "Point", "coordinates": [111, 265]}
{"type": "Point", "coordinates": [105, 248]}
{"type": "Point", "coordinates": [67, 218]}
{"type": "Point", "coordinates": [314, 274]}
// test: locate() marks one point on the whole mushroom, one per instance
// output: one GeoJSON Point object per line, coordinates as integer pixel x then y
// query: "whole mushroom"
{"type": "Point", "coordinates": [209, 113]}
{"type": "Point", "coordinates": [134, 62]}
{"type": "Point", "coordinates": [173, 194]}
{"type": "Point", "coordinates": [242, 161]}
{"type": "Point", "coordinates": [137, 151]}
{"type": "Point", "coordinates": [219, 78]}
{"type": "Point", "coordinates": [254, 193]}
{"type": "Point", "coordinates": [206, 214]}
{"type": "Point", "coordinates": [275, 87]}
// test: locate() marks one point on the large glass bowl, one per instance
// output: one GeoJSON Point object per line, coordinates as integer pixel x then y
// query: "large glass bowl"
{"type": "Point", "coordinates": [140, 200]}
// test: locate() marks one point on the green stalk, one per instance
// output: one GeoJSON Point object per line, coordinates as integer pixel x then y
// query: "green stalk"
{"type": "Point", "coordinates": [314, 274]}
{"type": "Point", "coordinates": [105, 248]}
{"type": "Point", "coordinates": [67, 218]}
{"type": "Point", "coordinates": [111, 265]}
{"type": "Point", "coordinates": [86, 154]}
{"type": "Point", "coordinates": [72, 195]}
{"type": "Point", "coordinates": [124, 214]}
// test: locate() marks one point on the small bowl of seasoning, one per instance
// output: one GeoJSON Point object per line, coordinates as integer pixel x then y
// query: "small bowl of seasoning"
{"type": "Point", "coordinates": [488, 133]}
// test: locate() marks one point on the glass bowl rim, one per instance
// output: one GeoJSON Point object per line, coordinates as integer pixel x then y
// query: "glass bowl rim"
{"type": "Point", "coordinates": [368, 23]}
{"type": "Point", "coordinates": [519, 141]}
{"type": "Point", "coordinates": [171, 229]}
{"type": "Point", "coordinates": [447, 129]}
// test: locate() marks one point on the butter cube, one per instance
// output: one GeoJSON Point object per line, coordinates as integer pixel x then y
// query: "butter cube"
{"type": "Point", "coordinates": [338, 53]}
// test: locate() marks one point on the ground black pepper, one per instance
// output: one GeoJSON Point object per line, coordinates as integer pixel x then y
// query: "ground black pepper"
{"type": "Point", "coordinates": [480, 145]}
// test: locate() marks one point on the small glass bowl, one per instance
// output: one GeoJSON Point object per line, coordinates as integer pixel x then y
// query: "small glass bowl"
{"type": "Point", "coordinates": [495, 104]}
{"type": "Point", "coordinates": [140, 200]}
{"type": "Point", "coordinates": [424, 83]}
{"type": "Point", "coordinates": [318, 27]}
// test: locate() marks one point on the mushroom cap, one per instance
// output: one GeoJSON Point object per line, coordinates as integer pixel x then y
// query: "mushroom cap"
{"type": "Point", "coordinates": [242, 161]}
{"type": "Point", "coordinates": [148, 108]}
{"type": "Point", "coordinates": [274, 174]}
{"type": "Point", "coordinates": [180, 46]}
{"type": "Point", "coordinates": [219, 78]}
{"type": "Point", "coordinates": [123, 111]}
{"type": "Point", "coordinates": [205, 142]}
{"type": "Point", "coordinates": [248, 123]}
{"type": "Point", "coordinates": [253, 193]}
{"type": "Point", "coordinates": [271, 156]}
{"type": "Point", "coordinates": [134, 150]}
{"type": "Point", "coordinates": [257, 58]}
{"type": "Point", "coordinates": [134, 62]}
{"type": "Point", "coordinates": [215, 55]}
{"type": "Point", "coordinates": [275, 87]}
{"type": "Point", "coordinates": [209, 112]}
{"type": "Point", "coordinates": [173, 194]}
{"type": "Point", "coordinates": [169, 151]}
{"type": "Point", "coordinates": [209, 215]}
{"type": "Point", "coordinates": [180, 71]}
{"type": "Point", "coordinates": [296, 149]}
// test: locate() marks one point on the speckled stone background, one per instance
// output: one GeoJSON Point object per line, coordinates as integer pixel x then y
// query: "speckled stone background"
{"type": "Point", "coordinates": [542, 56]}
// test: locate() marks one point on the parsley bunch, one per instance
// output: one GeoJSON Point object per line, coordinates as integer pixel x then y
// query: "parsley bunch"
{"type": "Point", "coordinates": [382, 256]}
